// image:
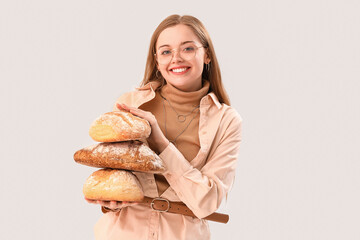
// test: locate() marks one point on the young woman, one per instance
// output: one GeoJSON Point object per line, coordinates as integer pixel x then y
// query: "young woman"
{"type": "Point", "coordinates": [194, 131]}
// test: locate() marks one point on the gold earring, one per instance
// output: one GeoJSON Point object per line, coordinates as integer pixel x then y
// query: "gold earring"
{"type": "Point", "coordinates": [156, 74]}
{"type": "Point", "coordinates": [207, 67]}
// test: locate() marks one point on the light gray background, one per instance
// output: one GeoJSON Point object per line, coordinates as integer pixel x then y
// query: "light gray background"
{"type": "Point", "coordinates": [292, 70]}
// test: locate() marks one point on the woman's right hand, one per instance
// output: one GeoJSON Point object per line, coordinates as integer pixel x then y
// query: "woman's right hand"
{"type": "Point", "coordinates": [114, 205]}
{"type": "Point", "coordinates": [157, 137]}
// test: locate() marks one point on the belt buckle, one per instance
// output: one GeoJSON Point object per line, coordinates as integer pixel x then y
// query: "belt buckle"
{"type": "Point", "coordinates": [160, 199]}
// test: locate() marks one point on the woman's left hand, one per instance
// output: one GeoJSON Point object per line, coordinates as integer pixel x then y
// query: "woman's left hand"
{"type": "Point", "coordinates": [156, 136]}
{"type": "Point", "coordinates": [114, 205]}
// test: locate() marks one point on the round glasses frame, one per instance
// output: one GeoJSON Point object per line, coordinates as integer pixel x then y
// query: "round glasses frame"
{"type": "Point", "coordinates": [172, 55]}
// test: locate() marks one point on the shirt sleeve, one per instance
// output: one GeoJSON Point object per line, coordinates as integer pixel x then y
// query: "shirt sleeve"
{"type": "Point", "coordinates": [203, 190]}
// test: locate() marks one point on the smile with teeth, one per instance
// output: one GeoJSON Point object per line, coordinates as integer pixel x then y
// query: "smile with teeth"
{"type": "Point", "coordinates": [179, 70]}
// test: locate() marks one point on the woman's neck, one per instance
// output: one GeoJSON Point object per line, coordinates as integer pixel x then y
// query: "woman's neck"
{"type": "Point", "coordinates": [183, 97]}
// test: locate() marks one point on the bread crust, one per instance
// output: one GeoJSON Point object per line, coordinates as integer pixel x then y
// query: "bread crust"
{"type": "Point", "coordinates": [113, 185]}
{"type": "Point", "coordinates": [119, 126]}
{"type": "Point", "coordinates": [129, 155]}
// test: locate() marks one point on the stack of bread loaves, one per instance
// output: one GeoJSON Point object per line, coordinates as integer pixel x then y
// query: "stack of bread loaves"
{"type": "Point", "coordinates": [118, 153]}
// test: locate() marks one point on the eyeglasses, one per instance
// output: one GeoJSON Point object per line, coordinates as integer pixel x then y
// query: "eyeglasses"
{"type": "Point", "coordinates": [186, 52]}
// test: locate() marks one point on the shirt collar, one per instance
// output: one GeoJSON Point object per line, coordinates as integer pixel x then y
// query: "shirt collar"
{"type": "Point", "coordinates": [215, 100]}
{"type": "Point", "coordinates": [153, 85]}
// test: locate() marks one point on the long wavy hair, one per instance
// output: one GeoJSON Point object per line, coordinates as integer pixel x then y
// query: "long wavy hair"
{"type": "Point", "coordinates": [211, 73]}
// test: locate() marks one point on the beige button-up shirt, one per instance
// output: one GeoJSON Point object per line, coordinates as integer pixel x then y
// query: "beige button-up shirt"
{"type": "Point", "coordinates": [201, 183]}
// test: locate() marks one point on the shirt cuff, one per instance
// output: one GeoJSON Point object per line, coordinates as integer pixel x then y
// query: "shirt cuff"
{"type": "Point", "coordinates": [176, 164]}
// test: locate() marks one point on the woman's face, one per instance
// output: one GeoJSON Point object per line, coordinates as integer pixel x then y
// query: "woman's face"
{"type": "Point", "coordinates": [176, 44]}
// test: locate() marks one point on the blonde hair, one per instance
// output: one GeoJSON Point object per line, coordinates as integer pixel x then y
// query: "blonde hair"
{"type": "Point", "coordinates": [213, 74]}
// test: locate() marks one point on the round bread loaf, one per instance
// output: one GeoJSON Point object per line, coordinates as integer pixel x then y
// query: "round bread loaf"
{"type": "Point", "coordinates": [119, 126]}
{"type": "Point", "coordinates": [130, 155]}
{"type": "Point", "coordinates": [110, 184]}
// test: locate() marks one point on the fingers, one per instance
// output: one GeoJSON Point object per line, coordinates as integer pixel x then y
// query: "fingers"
{"type": "Point", "coordinates": [111, 204]}
{"type": "Point", "coordinates": [91, 201]}
{"type": "Point", "coordinates": [138, 112]}
{"type": "Point", "coordinates": [108, 204]}
{"type": "Point", "coordinates": [122, 106]}
{"type": "Point", "coordinates": [102, 203]}
{"type": "Point", "coordinates": [125, 107]}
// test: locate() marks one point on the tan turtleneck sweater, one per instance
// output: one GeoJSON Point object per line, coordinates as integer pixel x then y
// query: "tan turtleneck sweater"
{"type": "Point", "coordinates": [167, 114]}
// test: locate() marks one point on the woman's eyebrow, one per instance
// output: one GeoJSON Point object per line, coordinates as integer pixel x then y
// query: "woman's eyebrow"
{"type": "Point", "coordinates": [167, 45]}
{"type": "Point", "coordinates": [187, 42]}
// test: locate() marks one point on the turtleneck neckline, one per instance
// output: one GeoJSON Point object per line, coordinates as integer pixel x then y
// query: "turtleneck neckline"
{"type": "Point", "coordinates": [180, 97]}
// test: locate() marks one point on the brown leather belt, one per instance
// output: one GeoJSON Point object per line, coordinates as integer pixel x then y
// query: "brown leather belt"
{"type": "Point", "coordinates": [164, 205]}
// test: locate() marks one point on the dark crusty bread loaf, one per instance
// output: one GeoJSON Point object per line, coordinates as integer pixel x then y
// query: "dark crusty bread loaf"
{"type": "Point", "coordinates": [110, 184]}
{"type": "Point", "coordinates": [130, 155]}
{"type": "Point", "coordinates": [119, 126]}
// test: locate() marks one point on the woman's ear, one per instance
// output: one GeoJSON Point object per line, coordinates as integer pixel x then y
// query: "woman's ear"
{"type": "Point", "coordinates": [157, 65]}
{"type": "Point", "coordinates": [206, 58]}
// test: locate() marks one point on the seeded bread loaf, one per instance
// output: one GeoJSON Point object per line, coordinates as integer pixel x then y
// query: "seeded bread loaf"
{"type": "Point", "coordinates": [119, 126]}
